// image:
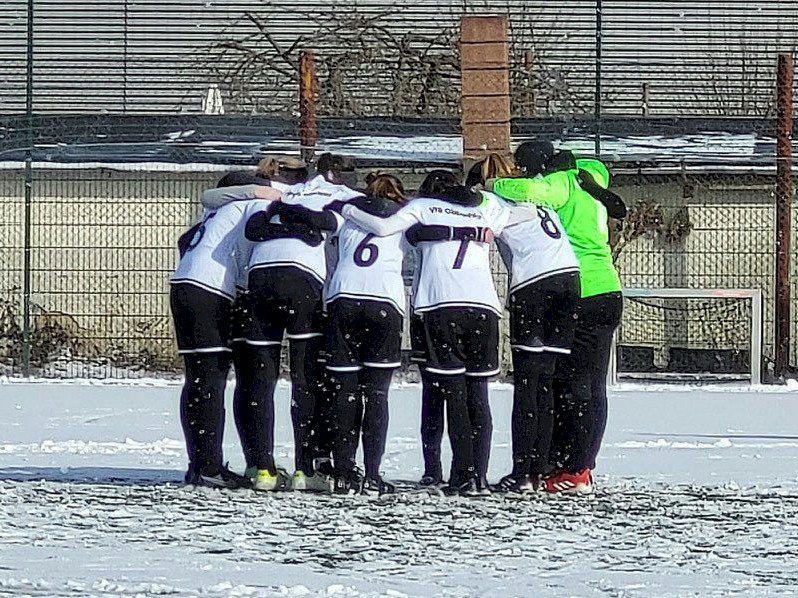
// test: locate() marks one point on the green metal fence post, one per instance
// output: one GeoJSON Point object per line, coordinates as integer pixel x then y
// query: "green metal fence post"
{"type": "Point", "coordinates": [597, 99]}
{"type": "Point", "coordinates": [26, 283]}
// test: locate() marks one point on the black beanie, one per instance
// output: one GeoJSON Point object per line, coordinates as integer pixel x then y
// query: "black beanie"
{"type": "Point", "coordinates": [241, 177]}
{"type": "Point", "coordinates": [534, 156]}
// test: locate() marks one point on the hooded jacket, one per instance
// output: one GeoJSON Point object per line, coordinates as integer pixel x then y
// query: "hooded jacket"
{"type": "Point", "coordinates": [582, 215]}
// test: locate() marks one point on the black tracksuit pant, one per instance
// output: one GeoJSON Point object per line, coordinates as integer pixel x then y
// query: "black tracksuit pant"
{"type": "Point", "coordinates": [580, 386]}
{"type": "Point", "coordinates": [284, 301]}
{"type": "Point", "coordinates": [542, 328]}
{"type": "Point", "coordinates": [432, 426]}
{"type": "Point", "coordinates": [360, 404]}
{"type": "Point", "coordinates": [203, 327]}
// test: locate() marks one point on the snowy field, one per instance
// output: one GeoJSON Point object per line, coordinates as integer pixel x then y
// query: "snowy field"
{"type": "Point", "coordinates": [697, 496]}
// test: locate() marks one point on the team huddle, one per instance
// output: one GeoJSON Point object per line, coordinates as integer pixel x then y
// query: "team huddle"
{"type": "Point", "coordinates": [280, 254]}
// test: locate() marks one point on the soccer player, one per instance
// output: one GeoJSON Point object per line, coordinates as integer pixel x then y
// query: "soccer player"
{"type": "Point", "coordinates": [365, 299]}
{"type": "Point", "coordinates": [286, 282]}
{"type": "Point", "coordinates": [432, 405]}
{"type": "Point", "coordinates": [253, 401]}
{"type": "Point", "coordinates": [577, 191]}
{"type": "Point", "coordinates": [542, 298]}
{"type": "Point", "coordinates": [203, 288]}
{"type": "Point", "coordinates": [460, 307]}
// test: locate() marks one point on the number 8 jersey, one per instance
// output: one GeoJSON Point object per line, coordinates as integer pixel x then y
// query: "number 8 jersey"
{"type": "Point", "coordinates": [535, 249]}
{"type": "Point", "coordinates": [369, 267]}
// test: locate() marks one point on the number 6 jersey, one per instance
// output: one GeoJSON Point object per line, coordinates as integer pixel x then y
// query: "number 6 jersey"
{"type": "Point", "coordinates": [218, 254]}
{"type": "Point", "coordinates": [369, 267]}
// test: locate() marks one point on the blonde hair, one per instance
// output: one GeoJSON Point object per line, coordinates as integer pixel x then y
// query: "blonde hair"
{"type": "Point", "coordinates": [286, 170]}
{"type": "Point", "coordinates": [492, 166]}
{"type": "Point", "coordinates": [385, 185]}
{"type": "Point", "coordinates": [268, 168]}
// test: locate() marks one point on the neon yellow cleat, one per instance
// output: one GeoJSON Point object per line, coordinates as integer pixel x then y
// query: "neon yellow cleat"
{"type": "Point", "coordinates": [314, 483]}
{"type": "Point", "coordinates": [265, 481]}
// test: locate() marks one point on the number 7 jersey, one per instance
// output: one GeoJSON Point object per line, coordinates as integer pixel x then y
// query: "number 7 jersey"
{"type": "Point", "coordinates": [456, 273]}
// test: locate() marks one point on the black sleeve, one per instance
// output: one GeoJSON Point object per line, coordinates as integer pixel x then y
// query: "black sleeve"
{"type": "Point", "coordinates": [427, 232]}
{"type": "Point", "coordinates": [184, 241]}
{"type": "Point", "coordinates": [336, 206]}
{"type": "Point", "coordinates": [293, 214]}
{"type": "Point", "coordinates": [616, 208]}
{"type": "Point", "coordinates": [256, 225]}
{"type": "Point", "coordinates": [438, 232]}
{"type": "Point", "coordinates": [301, 232]}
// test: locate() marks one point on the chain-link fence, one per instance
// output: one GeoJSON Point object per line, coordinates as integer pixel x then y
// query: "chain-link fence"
{"type": "Point", "coordinates": [137, 106]}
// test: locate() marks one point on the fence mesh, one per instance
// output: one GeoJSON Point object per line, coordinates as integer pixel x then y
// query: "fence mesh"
{"type": "Point", "coordinates": [128, 128]}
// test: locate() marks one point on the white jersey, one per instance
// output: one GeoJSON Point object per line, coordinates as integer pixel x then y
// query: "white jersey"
{"type": "Point", "coordinates": [314, 195]}
{"type": "Point", "coordinates": [535, 249]}
{"type": "Point", "coordinates": [453, 273]}
{"type": "Point", "coordinates": [218, 254]}
{"type": "Point", "coordinates": [369, 267]}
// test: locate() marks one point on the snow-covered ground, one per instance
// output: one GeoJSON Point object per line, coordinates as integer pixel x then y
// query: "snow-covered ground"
{"type": "Point", "coordinates": [698, 496]}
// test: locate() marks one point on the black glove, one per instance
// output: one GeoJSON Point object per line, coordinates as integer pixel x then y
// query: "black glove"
{"type": "Point", "coordinates": [616, 208]}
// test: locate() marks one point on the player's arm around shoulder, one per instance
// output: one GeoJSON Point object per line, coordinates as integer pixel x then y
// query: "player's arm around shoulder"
{"type": "Point", "coordinates": [550, 191]}
{"type": "Point", "coordinates": [499, 214]}
{"type": "Point", "coordinates": [382, 227]}
{"type": "Point", "coordinates": [217, 197]}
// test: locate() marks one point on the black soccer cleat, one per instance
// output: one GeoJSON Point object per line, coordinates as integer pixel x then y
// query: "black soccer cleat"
{"type": "Point", "coordinates": [222, 479]}
{"type": "Point", "coordinates": [376, 486]}
{"type": "Point", "coordinates": [523, 484]}
{"type": "Point", "coordinates": [483, 487]}
{"type": "Point", "coordinates": [468, 489]}
{"type": "Point", "coordinates": [323, 466]}
{"type": "Point", "coordinates": [342, 486]}
{"type": "Point", "coordinates": [348, 483]}
{"type": "Point", "coordinates": [431, 480]}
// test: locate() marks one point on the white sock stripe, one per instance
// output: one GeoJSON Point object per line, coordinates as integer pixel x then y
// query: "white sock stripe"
{"type": "Point", "coordinates": [386, 366]}
{"type": "Point", "coordinates": [262, 343]}
{"type": "Point", "coordinates": [344, 368]}
{"type": "Point", "coordinates": [441, 372]}
{"type": "Point", "coordinates": [559, 350]}
{"type": "Point", "coordinates": [527, 348]}
{"type": "Point", "coordinates": [483, 374]}
{"type": "Point", "coordinates": [542, 349]}
{"type": "Point", "coordinates": [205, 350]}
{"type": "Point", "coordinates": [303, 336]}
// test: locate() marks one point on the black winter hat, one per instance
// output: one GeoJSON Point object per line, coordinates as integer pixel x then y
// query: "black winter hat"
{"type": "Point", "coordinates": [534, 156]}
{"type": "Point", "coordinates": [241, 177]}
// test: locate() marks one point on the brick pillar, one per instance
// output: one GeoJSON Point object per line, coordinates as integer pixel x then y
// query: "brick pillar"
{"type": "Point", "coordinates": [484, 66]}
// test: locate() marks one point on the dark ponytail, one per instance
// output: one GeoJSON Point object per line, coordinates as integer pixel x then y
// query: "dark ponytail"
{"type": "Point", "coordinates": [437, 183]}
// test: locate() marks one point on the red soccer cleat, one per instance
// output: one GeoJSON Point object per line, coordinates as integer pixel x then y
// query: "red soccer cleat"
{"type": "Point", "coordinates": [570, 483]}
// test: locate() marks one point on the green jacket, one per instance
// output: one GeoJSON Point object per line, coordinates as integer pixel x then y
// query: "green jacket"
{"type": "Point", "coordinates": [584, 219]}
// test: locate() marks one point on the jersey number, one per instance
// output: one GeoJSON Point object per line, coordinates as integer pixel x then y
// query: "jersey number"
{"type": "Point", "coordinates": [458, 261]}
{"type": "Point", "coordinates": [200, 233]}
{"type": "Point", "coordinates": [548, 225]}
{"type": "Point", "coordinates": [360, 252]}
